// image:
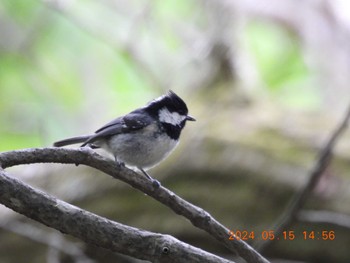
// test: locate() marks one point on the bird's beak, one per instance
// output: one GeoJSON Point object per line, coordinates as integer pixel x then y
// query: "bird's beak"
{"type": "Point", "coordinates": [190, 118]}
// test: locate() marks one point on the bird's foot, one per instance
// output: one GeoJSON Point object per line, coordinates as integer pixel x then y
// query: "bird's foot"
{"type": "Point", "coordinates": [119, 163]}
{"type": "Point", "coordinates": [155, 183]}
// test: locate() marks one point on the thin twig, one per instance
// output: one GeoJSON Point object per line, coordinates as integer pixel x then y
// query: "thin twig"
{"type": "Point", "coordinates": [325, 217]}
{"type": "Point", "coordinates": [297, 203]}
{"type": "Point", "coordinates": [53, 240]}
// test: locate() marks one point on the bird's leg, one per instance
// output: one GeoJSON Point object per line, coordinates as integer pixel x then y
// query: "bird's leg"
{"type": "Point", "coordinates": [146, 174]}
{"type": "Point", "coordinates": [155, 182]}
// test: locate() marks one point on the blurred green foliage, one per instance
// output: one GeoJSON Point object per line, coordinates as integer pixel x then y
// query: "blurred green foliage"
{"type": "Point", "coordinates": [281, 65]}
{"type": "Point", "coordinates": [44, 79]}
{"type": "Point", "coordinates": [53, 70]}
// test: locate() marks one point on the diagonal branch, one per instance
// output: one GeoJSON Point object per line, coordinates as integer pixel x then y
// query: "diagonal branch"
{"type": "Point", "coordinates": [325, 217]}
{"type": "Point", "coordinates": [198, 217]}
{"type": "Point", "coordinates": [94, 229]}
{"type": "Point", "coordinates": [299, 200]}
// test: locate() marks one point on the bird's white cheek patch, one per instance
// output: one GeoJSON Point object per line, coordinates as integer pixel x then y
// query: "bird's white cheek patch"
{"type": "Point", "coordinates": [173, 118]}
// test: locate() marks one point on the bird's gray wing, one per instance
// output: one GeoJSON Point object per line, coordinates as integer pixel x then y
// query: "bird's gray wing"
{"type": "Point", "coordinates": [135, 120]}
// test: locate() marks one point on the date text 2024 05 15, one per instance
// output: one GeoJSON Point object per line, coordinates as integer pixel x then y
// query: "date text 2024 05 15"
{"type": "Point", "coordinates": [286, 235]}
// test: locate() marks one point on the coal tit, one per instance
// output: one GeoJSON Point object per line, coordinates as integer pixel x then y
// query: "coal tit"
{"type": "Point", "coordinates": [143, 137]}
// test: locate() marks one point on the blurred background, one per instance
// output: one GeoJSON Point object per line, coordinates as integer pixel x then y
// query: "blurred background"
{"type": "Point", "coordinates": [267, 81]}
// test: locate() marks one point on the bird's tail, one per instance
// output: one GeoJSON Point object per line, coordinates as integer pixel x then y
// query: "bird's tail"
{"type": "Point", "coordinates": [73, 140]}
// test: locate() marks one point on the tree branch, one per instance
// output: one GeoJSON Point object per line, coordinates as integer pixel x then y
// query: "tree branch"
{"type": "Point", "coordinates": [94, 229]}
{"type": "Point", "coordinates": [86, 156]}
{"type": "Point", "coordinates": [325, 217]}
{"type": "Point", "coordinates": [299, 200]}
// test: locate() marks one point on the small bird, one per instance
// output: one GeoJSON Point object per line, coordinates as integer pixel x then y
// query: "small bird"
{"type": "Point", "coordinates": [143, 137]}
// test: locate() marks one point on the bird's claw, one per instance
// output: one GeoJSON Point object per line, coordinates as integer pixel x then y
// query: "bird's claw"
{"type": "Point", "coordinates": [120, 163]}
{"type": "Point", "coordinates": [155, 183]}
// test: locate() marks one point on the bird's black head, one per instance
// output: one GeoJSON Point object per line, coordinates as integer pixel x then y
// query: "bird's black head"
{"type": "Point", "coordinates": [172, 113]}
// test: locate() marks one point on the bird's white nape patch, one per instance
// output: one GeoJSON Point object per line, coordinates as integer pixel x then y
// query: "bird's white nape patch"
{"type": "Point", "coordinates": [173, 118]}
